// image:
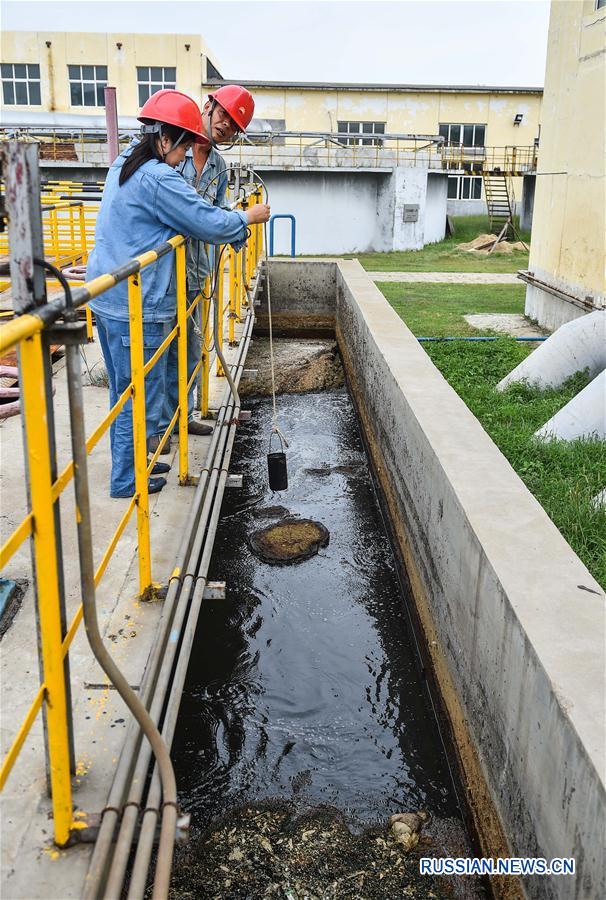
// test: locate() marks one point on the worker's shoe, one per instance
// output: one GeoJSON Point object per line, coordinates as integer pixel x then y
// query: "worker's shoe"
{"type": "Point", "coordinates": [160, 468]}
{"type": "Point", "coordinates": [154, 441]}
{"type": "Point", "coordinates": [195, 427]}
{"type": "Point", "coordinates": [155, 485]}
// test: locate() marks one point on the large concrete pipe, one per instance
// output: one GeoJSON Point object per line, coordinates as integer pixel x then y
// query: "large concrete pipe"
{"type": "Point", "coordinates": [583, 417]}
{"type": "Point", "coordinates": [576, 345]}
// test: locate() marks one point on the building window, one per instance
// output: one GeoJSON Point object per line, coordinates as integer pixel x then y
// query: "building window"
{"type": "Point", "coordinates": [21, 84]}
{"type": "Point", "coordinates": [358, 129]}
{"type": "Point", "coordinates": [463, 135]}
{"type": "Point", "coordinates": [154, 78]}
{"type": "Point", "coordinates": [600, 3]}
{"type": "Point", "coordinates": [87, 85]}
{"type": "Point", "coordinates": [464, 187]}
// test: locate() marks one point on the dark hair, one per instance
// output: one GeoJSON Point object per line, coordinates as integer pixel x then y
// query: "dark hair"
{"type": "Point", "coordinates": [146, 149]}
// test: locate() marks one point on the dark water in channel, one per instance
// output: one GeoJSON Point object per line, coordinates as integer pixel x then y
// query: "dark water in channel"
{"type": "Point", "coordinates": [304, 683]}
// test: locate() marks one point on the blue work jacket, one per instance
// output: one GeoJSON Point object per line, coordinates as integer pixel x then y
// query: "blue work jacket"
{"type": "Point", "coordinates": [212, 187]}
{"type": "Point", "coordinates": [155, 204]}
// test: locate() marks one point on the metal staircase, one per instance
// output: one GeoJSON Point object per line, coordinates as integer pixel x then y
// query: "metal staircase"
{"type": "Point", "coordinates": [499, 200]}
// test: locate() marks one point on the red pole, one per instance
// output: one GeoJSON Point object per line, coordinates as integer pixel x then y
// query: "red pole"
{"type": "Point", "coordinates": [111, 122]}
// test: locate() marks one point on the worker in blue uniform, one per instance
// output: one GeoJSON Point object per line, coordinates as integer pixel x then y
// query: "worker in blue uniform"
{"type": "Point", "coordinates": [227, 112]}
{"type": "Point", "coordinates": [145, 202]}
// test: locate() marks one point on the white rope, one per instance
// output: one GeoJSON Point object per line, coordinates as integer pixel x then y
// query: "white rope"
{"type": "Point", "coordinates": [275, 429]}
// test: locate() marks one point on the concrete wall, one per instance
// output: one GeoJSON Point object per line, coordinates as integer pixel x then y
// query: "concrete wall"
{"type": "Point", "coordinates": [514, 622]}
{"type": "Point", "coordinates": [354, 212]}
{"type": "Point", "coordinates": [570, 205]}
{"type": "Point", "coordinates": [435, 208]}
{"type": "Point", "coordinates": [467, 208]}
{"type": "Point", "coordinates": [336, 212]}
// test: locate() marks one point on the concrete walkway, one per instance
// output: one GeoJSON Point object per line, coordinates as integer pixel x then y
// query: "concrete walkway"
{"type": "Point", "coordinates": [448, 277]}
{"type": "Point", "coordinates": [31, 866]}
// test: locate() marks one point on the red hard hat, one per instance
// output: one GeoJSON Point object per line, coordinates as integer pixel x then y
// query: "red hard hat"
{"type": "Point", "coordinates": [174, 108]}
{"type": "Point", "coordinates": [236, 101]}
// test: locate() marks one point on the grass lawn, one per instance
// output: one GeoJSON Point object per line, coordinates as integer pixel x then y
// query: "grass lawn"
{"type": "Point", "coordinates": [563, 476]}
{"type": "Point", "coordinates": [444, 257]}
{"type": "Point", "coordinates": [437, 310]}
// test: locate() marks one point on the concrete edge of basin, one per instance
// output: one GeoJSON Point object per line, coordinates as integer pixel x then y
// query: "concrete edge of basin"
{"type": "Point", "coordinates": [513, 620]}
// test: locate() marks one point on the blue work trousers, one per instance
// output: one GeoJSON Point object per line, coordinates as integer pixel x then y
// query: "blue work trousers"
{"type": "Point", "coordinates": [114, 337]}
{"type": "Point", "coordinates": [194, 353]}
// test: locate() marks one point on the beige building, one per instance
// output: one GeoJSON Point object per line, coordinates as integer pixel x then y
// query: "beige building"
{"type": "Point", "coordinates": [51, 77]}
{"type": "Point", "coordinates": [56, 79]}
{"type": "Point", "coordinates": [566, 268]}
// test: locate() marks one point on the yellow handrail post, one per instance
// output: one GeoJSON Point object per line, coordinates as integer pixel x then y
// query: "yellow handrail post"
{"type": "Point", "coordinates": [72, 235]}
{"type": "Point", "coordinates": [89, 324]}
{"type": "Point", "coordinates": [233, 293]}
{"type": "Point", "coordinates": [240, 286]}
{"type": "Point", "coordinates": [205, 368]}
{"type": "Point", "coordinates": [135, 311]}
{"type": "Point", "coordinates": [47, 583]}
{"type": "Point", "coordinates": [245, 279]}
{"type": "Point", "coordinates": [182, 378]}
{"type": "Point", "coordinates": [54, 238]}
{"type": "Point", "coordinates": [83, 244]}
{"type": "Point", "coordinates": [218, 299]}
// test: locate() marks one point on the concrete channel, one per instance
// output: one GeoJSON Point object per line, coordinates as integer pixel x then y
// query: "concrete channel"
{"type": "Point", "coordinates": [508, 622]}
{"type": "Point", "coordinates": [511, 620]}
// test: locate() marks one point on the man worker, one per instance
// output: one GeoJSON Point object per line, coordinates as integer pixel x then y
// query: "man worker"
{"type": "Point", "coordinates": [226, 112]}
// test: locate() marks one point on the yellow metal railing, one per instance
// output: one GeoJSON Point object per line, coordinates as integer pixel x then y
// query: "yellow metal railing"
{"type": "Point", "coordinates": [304, 149]}
{"type": "Point", "coordinates": [26, 333]}
{"type": "Point", "coordinates": [68, 228]}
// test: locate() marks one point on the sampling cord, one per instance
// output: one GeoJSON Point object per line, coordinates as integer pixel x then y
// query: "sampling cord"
{"type": "Point", "coordinates": [275, 428]}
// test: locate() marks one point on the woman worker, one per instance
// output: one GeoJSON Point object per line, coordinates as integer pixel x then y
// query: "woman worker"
{"type": "Point", "coordinates": [226, 113]}
{"type": "Point", "coordinates": [145, 202]}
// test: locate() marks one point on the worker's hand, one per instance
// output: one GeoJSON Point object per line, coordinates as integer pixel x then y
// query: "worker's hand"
{"type": "Point", "coordinates": [257, 213]}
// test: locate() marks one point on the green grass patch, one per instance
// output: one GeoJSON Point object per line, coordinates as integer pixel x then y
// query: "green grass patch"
{"type": "Point", "coordinates": [437, 310]}
{"type": "Point", "coordinates": [444, 256]}
{"type": "Point", "coordinates": [563, 476]}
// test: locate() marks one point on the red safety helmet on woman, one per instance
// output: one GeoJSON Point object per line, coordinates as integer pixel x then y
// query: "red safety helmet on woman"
{"type": "Point", "coordinates": [236, 101]}
{"type": "Point", "coordinates": [174, 108]}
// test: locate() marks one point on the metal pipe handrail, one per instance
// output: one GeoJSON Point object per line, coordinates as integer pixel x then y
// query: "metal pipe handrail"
{"type": "Point", "coordinates": [28, 329]}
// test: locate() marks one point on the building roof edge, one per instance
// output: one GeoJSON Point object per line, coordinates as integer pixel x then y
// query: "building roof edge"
{"type": "Point", "coordinates": [347, 86]}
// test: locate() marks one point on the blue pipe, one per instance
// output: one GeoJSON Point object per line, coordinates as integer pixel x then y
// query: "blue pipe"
{"type": "Point", "coordinates": [293, 229]}
{"type": "Point", "coordinates": [533, 339]}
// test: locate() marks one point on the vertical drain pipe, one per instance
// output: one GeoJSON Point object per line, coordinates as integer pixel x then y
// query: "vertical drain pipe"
{"type": "Point", "coordinates": [85, 550]}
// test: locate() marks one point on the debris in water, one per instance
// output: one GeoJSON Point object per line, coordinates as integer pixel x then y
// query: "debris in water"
{"type": "Point", "coordinates": [300, 365]}
{"type": "Point", "coordinates": [289, 541]}
{"type": "Point", "coordinates": [266, 850]}
{"type": "Point", "coordinates": [406, 827]}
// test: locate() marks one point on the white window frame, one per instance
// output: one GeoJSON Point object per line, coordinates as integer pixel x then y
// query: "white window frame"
{"type": "Point", "coordinates": [152, 84]}
{"type": "Point", "coordinates": [362, 133]}
{"type": "Point", "coordinates": [465, 185]}
{"type": "Point", "coordinates": [30, 79]}
{"type": "Point", "coordinates": [78, 79]}
{"type": "Point", "coordinates": [462, 126]}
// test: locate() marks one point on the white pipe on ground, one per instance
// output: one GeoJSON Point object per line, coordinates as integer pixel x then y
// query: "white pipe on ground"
{"type": "Point", "coordinates": [583, 417]}
{"type": "Point", "coordinates": [576, 345]}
